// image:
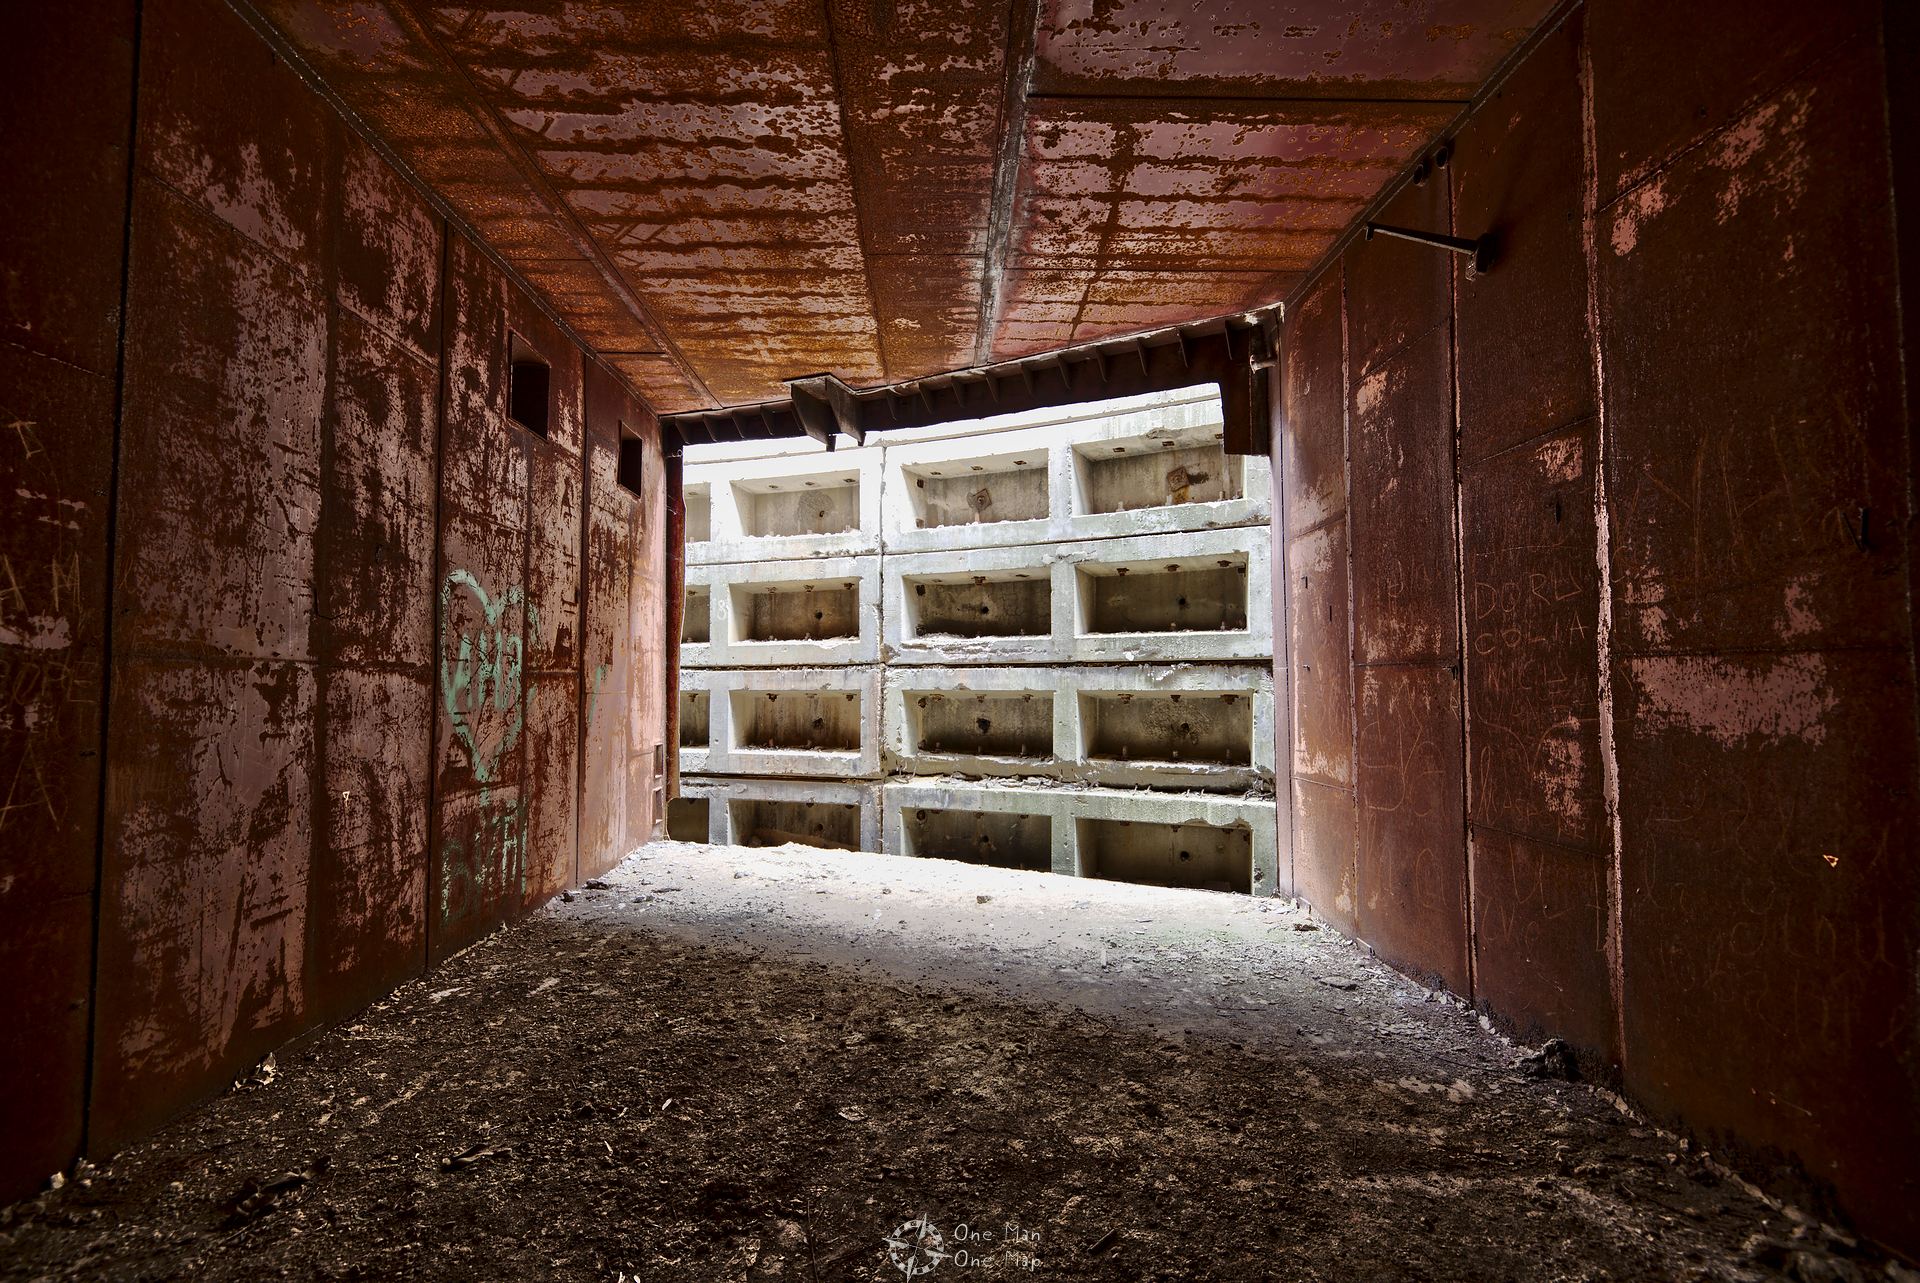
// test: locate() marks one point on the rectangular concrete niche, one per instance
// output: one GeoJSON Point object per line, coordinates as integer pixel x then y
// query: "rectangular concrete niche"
{"type": "Point", "coordinates": [772, 507]}
{"type": "Point", "coordinates": [816, 610]}
{"type": "Point", "coordinates": [1199, 856]}
{"type": "Point", "coordinates": [1003, 839]}
{"type": "Point", "coordinates": [797, 721]}
{"type": "Point", "coordinates": [687, 819]}
{"type": "Point", "coordinates": [967, 492]}
{"type": "Point", "coordinates": [693, 718]}
{"type": "Point", "coordinates": [763, 822]}
{"type": "Point", "coordinates": [699, 502]}
{"type": "Point", "coordinates": [696, 620]}
{"type": "Point", "coordinates": [1126, 476]}
{"type": "Point", "coordinates": [1187, 727]}
{"type": "Point", "coordinates": [982, 724]}
{"type": "Point", "coordinates": [1010, 603]}
{"type": "Point", "coordinates": [1192, 595]}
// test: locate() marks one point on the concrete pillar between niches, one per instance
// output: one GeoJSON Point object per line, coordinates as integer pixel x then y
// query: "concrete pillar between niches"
{"type": "Point", "coordinates": [1066, 843]}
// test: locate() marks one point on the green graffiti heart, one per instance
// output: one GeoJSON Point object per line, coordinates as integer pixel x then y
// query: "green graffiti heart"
{"type": "Point", "coordinates": [471, 675]}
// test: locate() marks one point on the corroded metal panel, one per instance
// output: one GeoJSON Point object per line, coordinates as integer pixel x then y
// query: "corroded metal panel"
{"type": "Point", "coordinates": [205, 906]}
{"type": "Point", "coordinates": [1323, 851]}
{"type": "Point", "coordinates": [553, 560]}
{"type": "Point", "coordinates": [1759, 500]}
{"type": "Point", "coordinates": [1406, 580]}
{"type": "Point", "coordinates": [1540, 964]}
{"type": "Point", "coordinates": [1313, 409]}
{"type": "Point", "coordinates": [68, 69]}
{"type": "Point", "coordinates": [553, 790]}
{"type": "Point", "coordinates": [609, 665]}
{"type": "Point", "coordinates": [1322, 677]}
{"type": "Point", "coordinates": [1532, 586]}
{"type": "Point", "coordinates": [1768, 884]}
{"type": "Point", "coordinates": [219, 495]}
{"type": "Point", "coordinates": [376, 538]}
{"type": "Point", "coordinates": [56, 452]}
{"type": "Point", "coordinates": [1666, 74]}
{"type": "Point", "coordinates": [1423, 49]}
{"type": "Point", "coordinates": [1410, 862]}
{"type": "Point", "coordinates": [388, 250]}
{"type": "Point", "coordinates": [1397, 290]}
{"type": "Point", "coordinates": [1524, 351]}
{"type": "Point", "coordinates": [369, 884]}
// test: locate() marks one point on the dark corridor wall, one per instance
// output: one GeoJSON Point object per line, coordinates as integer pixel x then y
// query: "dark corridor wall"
{"type": "Point", "coordinates": [369, 668]}
{"type": "Point", "coordinates": [1601, 666]}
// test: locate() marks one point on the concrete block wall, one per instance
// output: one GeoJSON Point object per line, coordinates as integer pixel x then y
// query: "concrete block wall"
{"type": "Point", "coordinates": [1068, 599]}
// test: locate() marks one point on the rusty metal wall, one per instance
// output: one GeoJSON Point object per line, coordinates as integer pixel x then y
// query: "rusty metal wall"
{"type": "Point", "coordinates": [69, 72]}
{"type": "Point", "coordinates": [1673, 617]}
{"type": "Point", "coordinates": [346, 626]}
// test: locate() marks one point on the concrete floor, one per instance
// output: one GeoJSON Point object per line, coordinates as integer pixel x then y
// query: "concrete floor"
{"type": "Point", "coordinates": [723, 1063]}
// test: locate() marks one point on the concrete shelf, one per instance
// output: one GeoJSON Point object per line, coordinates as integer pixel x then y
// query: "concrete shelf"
{"type": "Point", "coordinates": [835, 814]}
{"type": "Point", "coordinates": [1166, 839]}
{"type": "Point", "coordinates": [1187, 726]}
{"type": "Point", "coordinates": [1200, 596]}
{"type": "Point", "coordinates": [783, 722]}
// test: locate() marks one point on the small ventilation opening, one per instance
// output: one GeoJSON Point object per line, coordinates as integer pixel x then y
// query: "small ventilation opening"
{"type": "Point", "coordinates": [1201, 856]}
{"type": "Point", "coordinates": [699, 502]}
{"type": "Point", "coordinates": [818, 611]}
{"type": "Point", "coordinates": [687, 819]}
{"type": "Point", "coordinates": [693, 718]}
{"type": "Point", "coordinates": [632, 472]}
{"type": "Point", "coordinates": [1004, 840]}
{"type": "Point", "coordinates": [1203, 594]}
{"type": "Point", "coordinates": [696, 620]}
{"type": "Point", "coordinates": [529, 387]}
{"type": "Point", "coordinates": [798, 721]}
{"type": "Point", "coordinates": [996, 724]}
{"type": "Point", "coordinates": [1010, 604]}
{"type": "Point", "coordinates": [1214, 729]}
{"type": "Point", "coordinates": [832, 825]}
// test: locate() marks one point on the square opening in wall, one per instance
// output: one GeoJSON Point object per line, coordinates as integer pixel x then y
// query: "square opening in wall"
{"type": "Point", "coordinates": [797, 721]}
{"type": "Point", "coordinates": [632, 470]}
{"type": "Point", "coordinates": [699, 501]}
{"type": "Point", "coordinates": [1200, 856]}
{"type": "Point", "coordinates": [817, 610]}
{"type": "Point", "coordinates": [1182, 595]}
{"type": "Point", "coordinates": [1011, 603]}
{"type": "Point", "coordinates": [1205, 728]}
{"type": "Point", "coordinates": [696, 619]}
{"type": "Point", "coordinates": [1156, 472]}
{"type": "Point", "coordinates": [687, 819]}
{"type": "Point", "coordinates": [1005, 724]}
{"type": "Point", "coordinates": [764, 822]}
{"type": "Point", "coordinates": [529, 386]}
{"type": "Point", "coordinates": [1002, 839]}
{"type": "Point", "coordinates": [694, 707]}
{"type": "Point", "coordinates": [1010, 487]}
{"type": "Point", "coordinates": [783, 507]}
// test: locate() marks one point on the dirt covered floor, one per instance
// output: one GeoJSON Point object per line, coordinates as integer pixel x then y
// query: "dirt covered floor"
{"type": "Point", "coordinates": [788, 1064]}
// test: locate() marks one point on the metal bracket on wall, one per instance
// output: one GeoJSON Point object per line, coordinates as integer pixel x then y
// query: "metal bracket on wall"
{"type": "Point", "coordinates": [1480, 248]}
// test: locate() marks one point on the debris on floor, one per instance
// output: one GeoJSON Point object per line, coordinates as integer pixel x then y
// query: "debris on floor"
{"type": "Point", "coordinates": [749, 1082]}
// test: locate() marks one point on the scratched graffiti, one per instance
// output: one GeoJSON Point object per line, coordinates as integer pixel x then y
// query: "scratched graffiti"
{"type": "Point", "coordinates": [483, 856]}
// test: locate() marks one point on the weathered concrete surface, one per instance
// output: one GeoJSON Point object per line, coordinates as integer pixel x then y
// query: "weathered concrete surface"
{"type": "Point", "coordinates": [1683, 620]}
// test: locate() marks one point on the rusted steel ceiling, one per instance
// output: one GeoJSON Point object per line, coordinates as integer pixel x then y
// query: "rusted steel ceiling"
{"type": "Point", "coordinates": [724, 196]}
